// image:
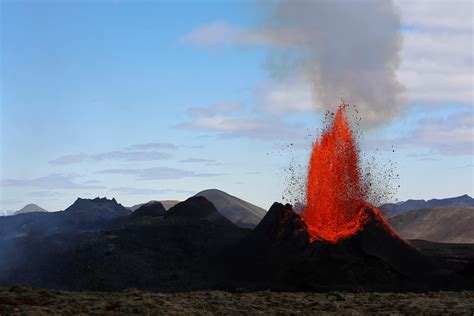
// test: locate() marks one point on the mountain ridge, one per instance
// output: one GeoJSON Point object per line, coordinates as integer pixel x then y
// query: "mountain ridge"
{"type": "Point", "coordinates": [392, 209]}
{"type": "Point", "coordinates": [150, 209]}
{"type": "Point", "coordinates": [452, 224]}
{"type": "Point", "coordinates": [167, 204]}
{"type": "Point", "coordinates": [242, 213]}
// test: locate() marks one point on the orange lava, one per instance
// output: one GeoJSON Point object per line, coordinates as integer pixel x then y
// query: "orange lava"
{"type": "Point", "coordinates": [335, 197]}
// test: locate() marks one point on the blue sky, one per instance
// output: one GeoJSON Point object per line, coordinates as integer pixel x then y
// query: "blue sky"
{"type": "Point", "coordinates": [159, 100]}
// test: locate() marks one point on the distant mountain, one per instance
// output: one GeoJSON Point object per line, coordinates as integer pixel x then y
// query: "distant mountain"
{"type": "Point", "coordinates": [166, 203]}
{"type": "Point", "coordinates": [194, 247]}
{"type": "Point", "coordinates": [150, 209]}
{"type": "Point", "coordinates": [83, 215]}
{"type": "Point", "coordinates": [453, 224]}
{"type": "Point", "coordinates": [30, 208]}
{"type": "Point", "coordinates": [198, 207]}
{"type": "Point", "coordinates": [99, 207]}
{"type": "Point", "coordinates": [178, 251]}
{"type": "Point", "coordinates": [240, 212]}
{"type": "Point", "coordinates": [393, 209]}
{"type": "Point", "coordinates": [24, 237]}
{"type": "Point", "coordinates": [169, 203]}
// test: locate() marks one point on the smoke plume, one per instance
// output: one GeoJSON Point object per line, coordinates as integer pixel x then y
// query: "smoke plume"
{"type": "Point", "coordinates": [343, 48]}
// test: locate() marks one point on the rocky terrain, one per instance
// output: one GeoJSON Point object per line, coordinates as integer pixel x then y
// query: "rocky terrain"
{"type": "Point", "coordinates": [29, 301]}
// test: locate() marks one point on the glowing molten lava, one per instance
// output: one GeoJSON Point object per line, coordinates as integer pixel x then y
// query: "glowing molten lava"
{"type": "Point", "coordinates": [335, 196]}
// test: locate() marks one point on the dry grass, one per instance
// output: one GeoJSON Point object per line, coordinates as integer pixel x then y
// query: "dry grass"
{"type": "Point", "coordinates": [28, 301]}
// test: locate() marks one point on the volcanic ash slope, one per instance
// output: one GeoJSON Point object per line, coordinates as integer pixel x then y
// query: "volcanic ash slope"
{"type": "Point", "coordinates": [280, 253]}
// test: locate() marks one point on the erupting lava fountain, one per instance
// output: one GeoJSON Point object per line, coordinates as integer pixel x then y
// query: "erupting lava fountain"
{"type": "Point", "coordinates": [335, 206]}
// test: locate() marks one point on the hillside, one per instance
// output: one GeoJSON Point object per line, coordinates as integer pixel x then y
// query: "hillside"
{"type": "Point", "coordinates": [177, 251]}
{"type": "Point", "coordinates": [194, 247]}
{"type": "Point", "coordinates": [166, 203]}
{"type": "Point", "coordinates": [238, 211]}
{"type": "Point", "coordinates": [150, 209]}
{"type": "Point", "coordinates": [100, 207]}
{"type": "Point", "coordinates": [393, 209]}
{"type": "Point", "coordinates": [82, 215]}
{"type": "Point", "coordinates": [30, 208]}
{"type": "Point", "coordinates": [442, 224]}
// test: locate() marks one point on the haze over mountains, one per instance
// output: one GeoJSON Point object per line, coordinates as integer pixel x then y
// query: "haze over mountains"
{"type": "Point", "coordinates": [167, 204]}
{"type": "Point", "coordinates": [6, 213]}
{"type": "Point", "coordinates": [454, 224]}
{"type": "Point", "coordinates": [240, 212]}
{"type": "Point", "coordinates": [440, 220]}
{"type": "Point", "coordinates": [150, 248]}
{"type": "Point", "coordinates": [30, 208]}
{"type": "Point", "coordinates": [449, 220]}
{"type": "Point", "coordinates": [393, 209]}
{"type": "Point", "coordinates": [83, 215]}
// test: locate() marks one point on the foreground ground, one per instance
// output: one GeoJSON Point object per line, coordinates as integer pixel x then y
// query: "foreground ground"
{"type": "Point", "coordinates": [28, 301]}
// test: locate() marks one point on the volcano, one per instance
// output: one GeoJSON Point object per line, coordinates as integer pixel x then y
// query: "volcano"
{"type": "Point", "coordinates": [338, 241]}
{"type": "Point", "coordinates": [282, 253]}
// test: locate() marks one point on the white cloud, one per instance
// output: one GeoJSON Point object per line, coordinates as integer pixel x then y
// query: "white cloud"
{"type": "Point", "coordinates": [144, 191]}
{"type": "Point", "coordinates": [149, 146]}
{"type": "Point", "coordinates": [228, 124]}
{"type": "Point", "coordinates": [452, 135]}
{"type": "Point", "coordinates": [218, 33]}
{"type": "Point", "coordinates": [135, 191]}
{"type": "Point", "coordinates": [215, 109]}
{"type": "Point", "coordinates": [333, 46]}
{"type": "Point", "coordinates": [45, 194]}
{"type": "Point", "coordinates": [246, 127]}
{"type": "Point", "coordinates": [437, 59]}
{"type": "Point", "coordinates": [113, 155]}
{"type": "Point", "coordinates": [68, 159]}
{"type": "Point", "coordinates": [132, 156]}
{"type": "Point", "coordinates": [198, 160]}
{"type": "Point", "coordinates": [436, 69]}
{"type": "Point", "coordinates": [438, 15]}
{"type": "Point", "coordinates": [53, 181]}
{"type": "Point", "coordinates": [158, 173]}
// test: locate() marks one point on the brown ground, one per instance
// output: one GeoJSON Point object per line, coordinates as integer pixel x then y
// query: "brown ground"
{"type": "Point", "coordinates": [28, 301]}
